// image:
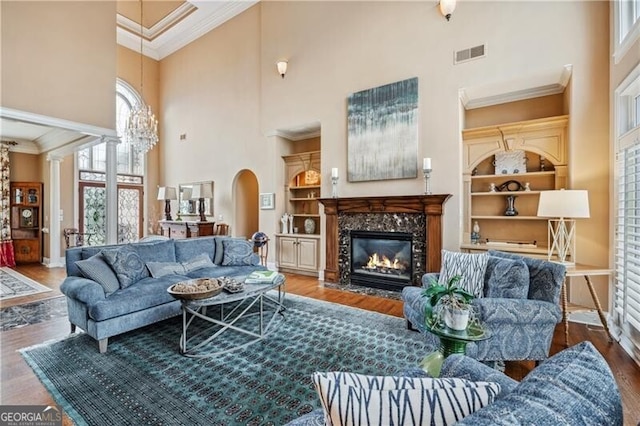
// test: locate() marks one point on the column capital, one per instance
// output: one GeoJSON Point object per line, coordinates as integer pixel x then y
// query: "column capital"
{"type": "Point", "coordinates": [109, 139]}
{"type": "Point", "coordinates": [55, 157]}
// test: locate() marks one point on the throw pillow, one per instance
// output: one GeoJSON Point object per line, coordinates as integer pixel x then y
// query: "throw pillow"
{"type": "Point", "coordinates": [95, 268]}
{"type": "Point", "coordinates": [545, 278]}
{"type": "Point", "coordinates": [127, 264]}
{"type": "Point", "coordinates": [470, 266]}
{"type": "Point", "coordinates": [160, 269]}
{"type": "Point", "coordinates": [237, 252]}
{"type": "Point", "coordinates": [506, 278]}
{"type": "Point", "coordinates": [201, 261]}
{"type": "Point", "coordinates": [218, 255]}
{"type": "Point", "coordinates": [354, 399]}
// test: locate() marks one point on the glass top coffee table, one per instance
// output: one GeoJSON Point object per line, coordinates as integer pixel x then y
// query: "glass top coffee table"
{"type": "Point", "coordinates": [230, 321]}
{"type": "Point", "coordinates": [451, 342]}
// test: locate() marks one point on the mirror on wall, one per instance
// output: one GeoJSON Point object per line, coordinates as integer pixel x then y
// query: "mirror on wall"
{"type": "Point", "coordinates": [187, 205]}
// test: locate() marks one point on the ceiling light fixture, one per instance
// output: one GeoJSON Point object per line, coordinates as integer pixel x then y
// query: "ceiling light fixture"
{"type": "Point", "coordinates": [141, 130]}
{"type": "Point", "coordinates": [282, 67]}
{"type": "Point", "coordinates": [447, 7]}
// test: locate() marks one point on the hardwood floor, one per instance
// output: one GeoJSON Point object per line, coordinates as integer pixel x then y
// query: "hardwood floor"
{"type": "Point", "coordinates": [20, 386]}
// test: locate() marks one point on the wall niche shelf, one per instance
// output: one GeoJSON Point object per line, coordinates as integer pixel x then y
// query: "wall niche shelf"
{"type": "Point", "coordinates": [544, 143]}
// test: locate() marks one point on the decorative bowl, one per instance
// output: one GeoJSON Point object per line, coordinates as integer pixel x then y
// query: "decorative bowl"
{"type": "Point", "coordinates": [199, 288]}
{"type": "Point", "coordinates": [232, 285]}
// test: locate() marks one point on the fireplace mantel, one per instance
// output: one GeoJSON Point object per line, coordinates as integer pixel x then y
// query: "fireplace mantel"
{"type": "Point", "coordinates": [429, 205]}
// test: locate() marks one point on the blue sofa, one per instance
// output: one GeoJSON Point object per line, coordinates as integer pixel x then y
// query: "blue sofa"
{"type": "Point", "coordinates": [117, 288]}
{"type": "Point", "coordinates": [573, 387]}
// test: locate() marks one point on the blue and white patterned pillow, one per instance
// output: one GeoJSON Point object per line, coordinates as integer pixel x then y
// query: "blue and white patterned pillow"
{"type": "Point", "coordinates": [238, 252]}
{"type": "Point", "coordinates": [354, 399]}
{"type": "Point", "coordinates": [506, 278]}
{"type": "Point", "coordinates": [127, 264]}
{"type": "Point", "coordinates": [160, 269]}
{"type": "Point", "coordinates": [95, 268]}
{"type": "Point", "coordinates": [470, 266]}
{"type": "Point", "coordinates": [201, 261]}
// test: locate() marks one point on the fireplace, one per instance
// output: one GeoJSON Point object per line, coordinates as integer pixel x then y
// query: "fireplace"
{"type": "Point", "coordinates": [381, 259]}
{"type": "Point", "coordinates": [419, 216]}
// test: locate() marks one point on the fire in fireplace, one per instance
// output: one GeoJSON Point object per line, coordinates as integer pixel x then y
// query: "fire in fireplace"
{"type": "Point", "coordinates": [381, 259]}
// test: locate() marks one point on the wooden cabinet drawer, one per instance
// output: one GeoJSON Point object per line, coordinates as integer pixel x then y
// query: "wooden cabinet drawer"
{"type": "Point", "coordinates": [27, 250]}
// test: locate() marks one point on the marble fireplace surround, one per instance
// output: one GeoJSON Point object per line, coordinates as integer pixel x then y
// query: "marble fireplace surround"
{"type": "Point", "coordinates": [420, 215]}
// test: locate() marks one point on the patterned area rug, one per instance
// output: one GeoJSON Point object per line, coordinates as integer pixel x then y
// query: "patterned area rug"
{"type": "Point", "coordinates": [32, 313]}
{"type": "Point", "coordinates": [13, 284]}
{"type": "Point", "coordinates": [142, 379]}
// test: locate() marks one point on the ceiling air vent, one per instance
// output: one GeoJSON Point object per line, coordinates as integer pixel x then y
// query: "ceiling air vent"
{"type": "Point", "coordinates": [465, 55]}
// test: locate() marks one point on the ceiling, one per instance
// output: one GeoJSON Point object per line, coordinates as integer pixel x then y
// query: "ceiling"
{"type": "Point", "coordinates": [167, 26]}
{"type": "Point", "coordinates": [170, 25]}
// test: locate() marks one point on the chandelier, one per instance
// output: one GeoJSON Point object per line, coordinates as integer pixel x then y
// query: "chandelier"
{"type": "Point", "coordinates": [141, 129]}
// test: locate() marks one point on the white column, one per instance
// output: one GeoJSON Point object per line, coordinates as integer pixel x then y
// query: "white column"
{"type": "Point", "coordinates": [111, 187]}
{"type": "Point", "coordinates": [55, 259]}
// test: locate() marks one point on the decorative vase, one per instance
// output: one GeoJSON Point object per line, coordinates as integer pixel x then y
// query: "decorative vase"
{"type": "Point", "coordinates": [511, 208]}
{"type": "Point", "coordinates": [475, 234]}
{"type": "Point", "coordinates": [309, 226]}
{"type": "Point", "coordinates": [456, 319]}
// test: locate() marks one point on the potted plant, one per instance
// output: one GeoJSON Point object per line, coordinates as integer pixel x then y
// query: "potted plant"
{"type": "Point", "coordinates": [448, 304]}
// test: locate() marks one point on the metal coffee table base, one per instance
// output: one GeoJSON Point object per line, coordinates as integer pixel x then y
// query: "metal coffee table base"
{"type": "Point", "coordinates": [230, 319]}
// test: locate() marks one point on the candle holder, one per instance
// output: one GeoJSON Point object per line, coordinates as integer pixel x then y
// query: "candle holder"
{"type": "Point", "coordinates": [334, 186]}
{"type": "Point", "coordinates": [427, 181]}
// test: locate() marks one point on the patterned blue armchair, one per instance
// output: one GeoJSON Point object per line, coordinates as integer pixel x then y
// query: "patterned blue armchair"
{"type": "Point", "coordinates": [520, 319]}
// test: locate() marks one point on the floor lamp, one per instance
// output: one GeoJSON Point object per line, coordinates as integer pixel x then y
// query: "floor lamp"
{"type": "Point", "coordinates": [563, 207]}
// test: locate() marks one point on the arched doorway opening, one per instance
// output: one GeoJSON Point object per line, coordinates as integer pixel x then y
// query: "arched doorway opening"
{"type": "Point", "coordinates": [246, 211]}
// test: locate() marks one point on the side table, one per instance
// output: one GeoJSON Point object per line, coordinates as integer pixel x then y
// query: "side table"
{"type": "Point", "coordinates": [585, 271]}
{"type": "Point", "coordinates": [451, 342]}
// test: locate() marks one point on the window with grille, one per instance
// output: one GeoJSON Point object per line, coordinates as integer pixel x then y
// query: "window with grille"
{"type": "Point", "coordinates": [92, 165]}
{"type": "Point", "coordinates": [626, 301]}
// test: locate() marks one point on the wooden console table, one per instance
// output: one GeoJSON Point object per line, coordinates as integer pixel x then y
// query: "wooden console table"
{"type": "Point", "coordinates": [183, 229]}
{"type": "Point", "coordinates": [585, 271]}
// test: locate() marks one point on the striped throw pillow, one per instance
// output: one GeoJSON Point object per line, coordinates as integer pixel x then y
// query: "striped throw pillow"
{"type": "Point", "coordinates": [350, 399]}
{"type": "Point", "coordinates": [470, 266]}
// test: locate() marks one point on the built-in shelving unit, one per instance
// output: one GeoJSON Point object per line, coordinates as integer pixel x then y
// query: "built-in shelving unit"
{"type": "Point", "coordinates": [543, 142]}
{"type": "Point", "coordinates": [298, 252]}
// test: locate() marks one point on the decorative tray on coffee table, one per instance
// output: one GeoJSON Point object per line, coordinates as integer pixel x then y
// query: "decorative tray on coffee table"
{"type": "Point", "coordinates": [199, 288]}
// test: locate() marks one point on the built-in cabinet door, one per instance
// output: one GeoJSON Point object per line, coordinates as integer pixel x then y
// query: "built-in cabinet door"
{"type": "Point", "coordinates": [308, 254]}
{"type": "Point", "coordinates": [287, 252]}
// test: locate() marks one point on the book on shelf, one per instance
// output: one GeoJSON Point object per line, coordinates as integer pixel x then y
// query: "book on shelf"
{"type": "Point", "coordinates": [261, 277]}
{"type": "Point", "coordinates": [506, 243]}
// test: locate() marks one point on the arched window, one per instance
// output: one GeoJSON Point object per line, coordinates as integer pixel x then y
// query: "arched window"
{"type": "Point", "coordinates": [92, 165]}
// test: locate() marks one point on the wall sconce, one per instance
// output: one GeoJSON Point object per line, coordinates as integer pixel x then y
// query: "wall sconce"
{"type": "Point", "coordinates": [282, 67]}
{"type": "Point", "coordinates": [167, 193]}
{"type": "Point", "coordinates": [447, 7]}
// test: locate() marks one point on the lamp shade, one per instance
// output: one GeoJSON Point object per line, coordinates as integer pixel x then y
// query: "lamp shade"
{"type": "Point", "coordinates": [569, 203]}
{"type": "Point", "coordinates": [167, 193]}
{"type": "Point", "coordinates": [202, 190]}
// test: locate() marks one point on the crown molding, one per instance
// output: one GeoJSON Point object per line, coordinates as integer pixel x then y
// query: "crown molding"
{"type": "Point", "coordinates": [535, 86]}
{"type": "Point", "coordinates": [167, 36]}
